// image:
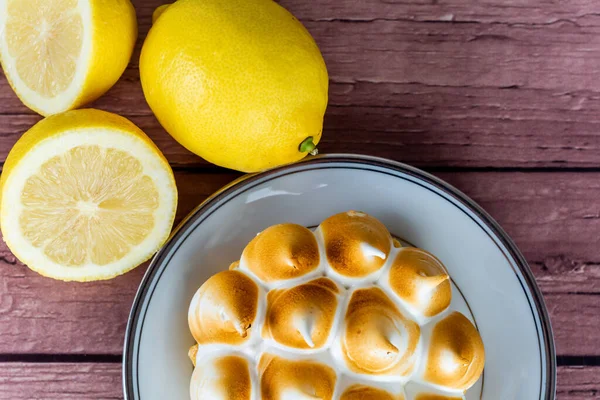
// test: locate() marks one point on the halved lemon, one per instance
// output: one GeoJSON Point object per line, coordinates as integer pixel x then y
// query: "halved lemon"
{"type": "Point", "coordinates": [61, 54]}
{"type": "Point", "coordinates": [85, 195]}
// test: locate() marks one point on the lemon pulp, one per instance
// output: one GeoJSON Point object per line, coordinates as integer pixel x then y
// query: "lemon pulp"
{"type": "Point", "coordinates": [99, 196]}
{"type": "Point", "coordinates": [85, 195]}
{"type": "Point", "coordinates": [45, 39]}
{"type": "Point", "coordinates": [60, 54]}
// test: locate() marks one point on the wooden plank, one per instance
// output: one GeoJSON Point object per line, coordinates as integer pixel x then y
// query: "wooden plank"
{"type": "Point", "coordinates": [421, 125]}
{"type": "Point", "coordinates": [431, 94]}
{"type": "Point", "coordinates": [52, 381]}
{"type": "Point", "coordinates": [409, 35]}
{"type": "Point", "coordinates": [575, 321]}
{"type": "Point", "coordinates": [578, 383]}
{"type": "Point", "coordinates": [462, 137]}
{"type": "Point", "coordinates": [554, 218]}
{"type": "Point", "coordinates": [474, 55]}
{"type": "Point", "coordinates": [26, 381]}
{"type": "Point", "coordinates": [512, 12]}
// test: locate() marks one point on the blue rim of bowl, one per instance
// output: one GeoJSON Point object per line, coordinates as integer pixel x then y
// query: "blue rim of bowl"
{"type": "Point", "coordinates": [526, 277]}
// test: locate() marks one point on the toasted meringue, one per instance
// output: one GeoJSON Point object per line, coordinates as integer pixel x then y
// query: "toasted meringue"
{"type": "Point", "coordinates": [421, 281]}
{"type": "Point", "coordinates": [377, 339]}
{"type": "Point", "coordinates": [364, 392]}
{"type": "Point", "coordinates": [302, 317]}
{"type": "Point", "coordinates": [284, 379]}
{"type": "Point", "coordinates": [454, 355]}
{"type": "Point", "coordinates": [348, 313]}
{"type": "Point", "coordinates": [228, 377]}
{"type": "Point", "coordinates": [226, 309]}
{"type": "Point", "coordinates": [281, 252]}
{"type": "Point", "coordinates": [356, 244]}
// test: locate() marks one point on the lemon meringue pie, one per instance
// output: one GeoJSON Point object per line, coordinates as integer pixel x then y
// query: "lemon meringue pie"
{"type": "Point", "coordinates": [342, 312]}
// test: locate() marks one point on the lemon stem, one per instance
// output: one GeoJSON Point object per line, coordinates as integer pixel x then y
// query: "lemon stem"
{"type": "Point", "coordinates": [308, 146]}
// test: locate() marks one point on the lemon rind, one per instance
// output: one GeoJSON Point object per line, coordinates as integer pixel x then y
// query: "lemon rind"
{"type": "Point", "coordinates": [154, 166]}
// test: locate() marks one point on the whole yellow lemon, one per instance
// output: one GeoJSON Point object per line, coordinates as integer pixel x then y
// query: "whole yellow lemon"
{"type": "Point", "coordinates": [241, 83]}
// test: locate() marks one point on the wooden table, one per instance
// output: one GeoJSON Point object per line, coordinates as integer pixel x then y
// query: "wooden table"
{"type": "Point", "coordinates": [499, 97]}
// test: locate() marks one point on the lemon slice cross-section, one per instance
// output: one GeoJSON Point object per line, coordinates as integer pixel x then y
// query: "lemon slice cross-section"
{"type": "Point", "coordinates": [60, 54]}
{"type": "Point", "coordinates": [86, 196]}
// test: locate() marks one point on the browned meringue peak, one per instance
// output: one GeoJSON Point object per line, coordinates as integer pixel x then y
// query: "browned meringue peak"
{"type": "Point", "coordinates": [356, 244]}
{"type": "Point", "coordinates": [421, 280]}
{"type": "Point", "coordinates": [377, 338]}
{"type": "Point", "coordinates": [283, 379]}
{"type": "Point", "coordinates": [284, 251]}
{"type": "Point", "coordinates": [364, 392]}
{"type": "Point", "coordinates": [455, 355]}
{"type": "Point", "coordinates": [396, 243]}
{"type": "Point", "coordinates": [302, 316]}
{"type": "Point", "coordinates": [222, 378]}
{"type": "Point", "coordinates": [224, 309]}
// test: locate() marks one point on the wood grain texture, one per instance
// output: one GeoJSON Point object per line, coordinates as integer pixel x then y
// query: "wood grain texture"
{"type": "Point", "coordinates": [495, 12]}
{"type": "Point", "coordinates": [496, 84]}
{"type": "Point", "coordinates": [30, 381]}
{"type": "Point", "coordinates": [427, 83]}
{"type": "Point", "coordinates": [578, 383]}
{"type": "Point", "coordinates": [554, 218]}
{"type": "Point", "coordinates": [69, 381]}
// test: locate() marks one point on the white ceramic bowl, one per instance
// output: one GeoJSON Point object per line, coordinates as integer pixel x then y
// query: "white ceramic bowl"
{"type": "Point", "coordinates": [483, 262]}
